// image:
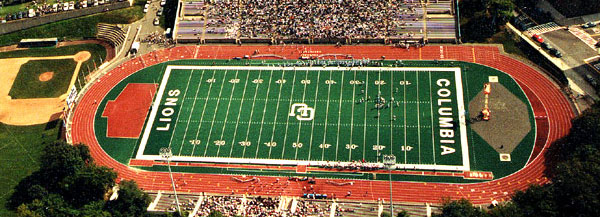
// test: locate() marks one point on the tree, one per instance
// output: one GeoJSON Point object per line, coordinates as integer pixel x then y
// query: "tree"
{"type": "Point", "coordinates": [536, 201]}
{"type": "Point", "coordinates": [88, 184]}
{"type": "Point", "coordinates": [500, 11]}
{"type": "Point", "coordinates": [131, 200]}
{"type": "Point", "coordinates": [68, 183]}
{"type": "Point", "coordinates": [508, 209]}
{"type": "Point", "coordinates": [459, 208]}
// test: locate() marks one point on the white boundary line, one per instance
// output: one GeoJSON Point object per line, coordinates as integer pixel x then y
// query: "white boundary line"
{"type": "Point", "coordinates": [464, 146]}
{"type": "Point", "coordinates": [460, 99]}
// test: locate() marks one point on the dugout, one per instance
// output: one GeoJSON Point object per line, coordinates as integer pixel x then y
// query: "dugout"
{"type": "Point", "coordinates": [38, 42]}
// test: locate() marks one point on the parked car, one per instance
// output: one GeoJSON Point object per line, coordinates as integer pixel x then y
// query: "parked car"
{"type": "Point", "coordinates": [19, 15]}
{"type": "Point", "coordinates": [555, 52]}
{"type": "Point", "coordinates": [95, 2]}
{"type": "Point", "coordinates": [156, 21]}
{"type": "Point", "coordinates": [55, 7]}
{"type": "Point", "coordinates": [546, 46]}
{"type": "Point", "coordinates": [8, 18]}
{"type": "Point", "coordinates": [31, 13]}
{"type": "Point", "coordinates": [159, 12]}
{"type": "Point", "coordinates": [65, 6]}
{"type": "Point", "coordinates": [590, 79]}
{"type": "Point", "coordinates": [588, 25]}
{"type": "Point", "coordinates": [2, 20]}
{"type": "Point", "coordinates": [538, 38]}
{"type": "Point", "coordinates": [163, 2]}
{"type": "Point", "coordinates": [146, 7]}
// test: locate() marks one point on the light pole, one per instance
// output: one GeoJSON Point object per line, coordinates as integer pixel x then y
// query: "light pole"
{"type": "Point", "coordinates": [389, 161]}
{"type": "Point", "coordinates": [167, 154]}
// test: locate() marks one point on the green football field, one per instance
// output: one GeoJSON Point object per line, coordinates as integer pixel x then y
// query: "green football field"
{"type": "Point", "coordinates": [309, 115]}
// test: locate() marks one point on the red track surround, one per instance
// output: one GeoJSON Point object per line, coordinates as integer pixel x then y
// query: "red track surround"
{"type": "Point", "coordinates": [552, 111]}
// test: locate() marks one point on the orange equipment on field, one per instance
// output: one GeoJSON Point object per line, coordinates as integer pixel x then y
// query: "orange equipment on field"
{"type": "Point", "coordinates": [487, 89]}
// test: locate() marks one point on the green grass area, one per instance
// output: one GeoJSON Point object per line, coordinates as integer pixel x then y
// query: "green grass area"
{"type": "Point", "coordinates": [257, 105]}
{"type": "Point", "coordinates": [98, 54]}
{"type": "Point", "coordinates": [27, 84]}
{"type": "Point", "coordinates": [76, 28]}
{"type": "Point", "coordinates": [20, 148]}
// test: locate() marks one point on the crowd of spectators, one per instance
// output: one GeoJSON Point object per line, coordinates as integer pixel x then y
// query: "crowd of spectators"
{"type": "Point", "coordinates": [159, 39]}
{"type": "Point", "coordinates": [307, 19]}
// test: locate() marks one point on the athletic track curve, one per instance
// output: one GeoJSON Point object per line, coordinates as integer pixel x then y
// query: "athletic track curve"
{"type": "Point", "coordinates": [552, 111]}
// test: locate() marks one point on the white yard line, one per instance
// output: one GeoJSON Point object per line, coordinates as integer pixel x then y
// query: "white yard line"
{"type": "Point", "coordinates": [337, 141]}
{"type": "Point", "coordinates": [203, 110]}
{"type": "Point", "coordinates": [365, 120]}
{"type": "Point", "coordinates": [276, 112]}
{"type": "Point", "coordinates": [180, 108]}
{"type": "Point", "coordinates": [262, 121]}
{"type": "Point", "coordinates": [326, 118]}
{"type": "Point", "coordinates": [300, 122]}
{"type": "Point", "coordinates": [432, 130]}
{"type": "Point", "coordinates": [352, 119]}
{"type": "Point", "coordinates": [215, 113]}
{"type": "Point", "coordinates": [392, 114]}
{"type": "Point", "coordinates": [239, 114]}
{"type": "Point", "coordinates": [418, 118]}
{"type": "Point", "coordinates": [191, 112]}
{"type": "Point", "coordinates": [312, 129]}
{"type": "Point", "coordinates": [288, 117]}
{"type": "Point", "coordinates": [227, 114]}
{"type": "Point", "coordinates": [251, 113]}
{"type": "Point", "coordinates": [378, 112]}
{"type": "Point", "coordinates": [404, 102]}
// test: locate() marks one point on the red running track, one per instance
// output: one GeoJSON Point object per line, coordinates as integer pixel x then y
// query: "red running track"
{"type": "Point", "coordinates": [552, 110]}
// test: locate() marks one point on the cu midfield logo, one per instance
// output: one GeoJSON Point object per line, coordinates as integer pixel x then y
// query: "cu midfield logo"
{"type": "Point", "coordinates": [302, 112]}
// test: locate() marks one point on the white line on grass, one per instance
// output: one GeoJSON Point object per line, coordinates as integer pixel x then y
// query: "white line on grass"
{"type": "Point", "coordinates": [239, 113]}
{"type": "Point", "coordinates": [215, 113]}
{"type": "Point", "coordinates": [352, 119]}
{"type": "Point", "coordinates": [378, 112]}
{"type": "Point", "coordinates": [418, 118]}
{"type": "Point", "coordinates": [365, 120]}
{"type": "Point", "coordinates": [191, 112]}
{"type": "Point", "coordinates": [251, 113]}
{"type": "Point", "coordinates": [276, 112]}
{"type": "Point", "coordinates": [339, 117]}
{"type": "Point", "coordinates": [203, 110]}
{"type": "Point", "coordinates": [288, 117]}
{"type": "Point", "coordinates": [300, 122]}
{"type": "Point", "coordinates": [227, 114]}
{"type": "Point", "coordinates": [392, 114]}
{"type": "Point", "coordinates": [181, 108]}
{"type": "Point", "coordinates": [432, 128]}
{"type": "Point", "coordinates": [326, 118]}
{"type": "Point", "coordinates": [312, 129]}
{"type": "Point", "coordinates": [404, 102]}
{"type": "Point", "coordinates": [262, 121]}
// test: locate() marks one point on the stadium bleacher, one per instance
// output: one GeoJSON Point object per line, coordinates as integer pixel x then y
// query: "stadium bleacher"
{"type": "Point", "coordinates": [249, 21]}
